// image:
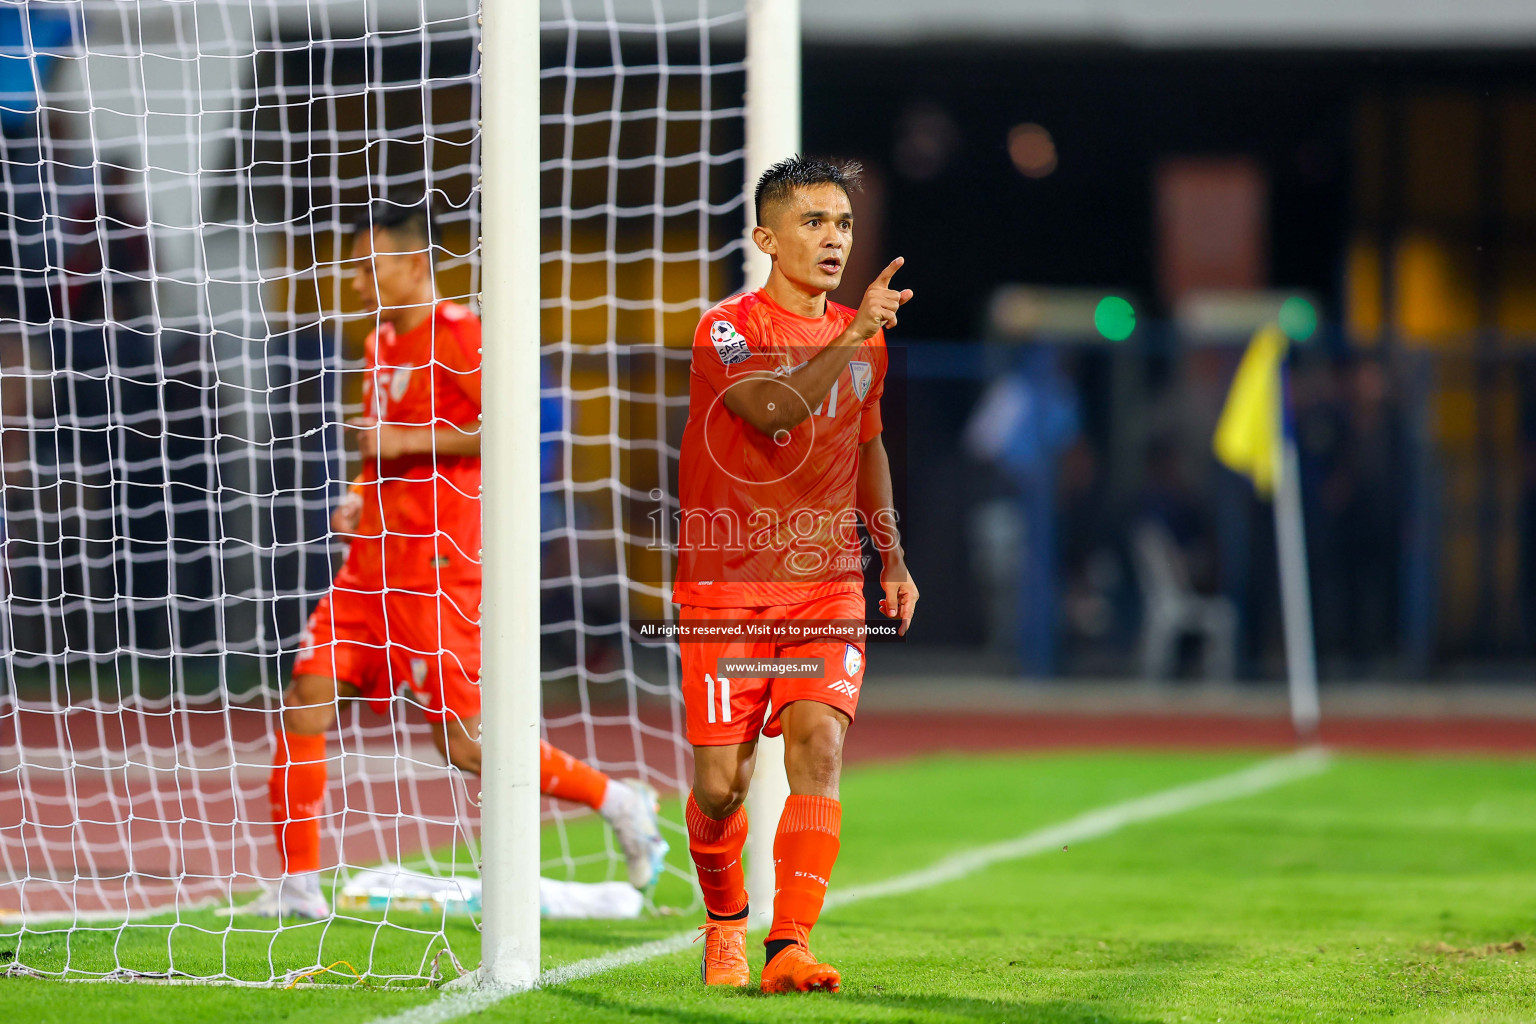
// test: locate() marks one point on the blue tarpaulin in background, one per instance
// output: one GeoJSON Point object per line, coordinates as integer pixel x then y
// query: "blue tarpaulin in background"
{"type": "Point", "coordinates": [30, 44]}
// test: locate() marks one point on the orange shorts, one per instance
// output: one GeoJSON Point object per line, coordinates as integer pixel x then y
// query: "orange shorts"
{"type": "Point", "coordinates": [725, 711]}
{"type": "Point", "coordinates": [426, 646]}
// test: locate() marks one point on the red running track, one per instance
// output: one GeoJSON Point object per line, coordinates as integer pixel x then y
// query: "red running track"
{"type": "Point", "coordinates": [114, 810]}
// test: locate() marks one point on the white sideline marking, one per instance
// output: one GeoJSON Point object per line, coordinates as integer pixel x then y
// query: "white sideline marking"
{"type": "Point", "coordinates": [1263, 776]}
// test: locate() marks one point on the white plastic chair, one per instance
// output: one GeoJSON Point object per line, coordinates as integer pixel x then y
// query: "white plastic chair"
{"type": "Point", "coordinates": [1172, 609]}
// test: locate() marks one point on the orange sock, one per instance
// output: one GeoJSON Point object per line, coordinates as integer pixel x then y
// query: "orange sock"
{"type": "Point", "coordinates": [716, 850]}
{"type": "Point", "coordinates": [297, 788]}
{"type": "Point", "coordinates": [804, 851]}
{"type": "Point", "coordinates": [563, 776]}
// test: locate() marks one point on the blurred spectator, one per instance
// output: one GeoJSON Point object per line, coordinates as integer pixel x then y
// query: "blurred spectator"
{"type": "Point", "coordinates": [1090, 567]}
{"type": "Point", "coordinates": [1025, 420]}
{"type": "Point", "coordinates": [1353, 448]}
{"type": "Point", "coordinates": [1021, 426]}
{"type": "Point", "coordinates": [1168, 499]}
{"type": "Point", "coordinates": [1173, 549]}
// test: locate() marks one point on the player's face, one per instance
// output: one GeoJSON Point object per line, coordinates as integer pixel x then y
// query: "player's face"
{"type": "Point", "coordinates": [812, 237]}
{"type": "Point", "coordinates": [387, 274]}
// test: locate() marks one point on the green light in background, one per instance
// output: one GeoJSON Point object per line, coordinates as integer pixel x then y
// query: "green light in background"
{"type": "Point", "coordinates": [1298, 319]}
{"type": "Point", "coordinates": [1114, 318]}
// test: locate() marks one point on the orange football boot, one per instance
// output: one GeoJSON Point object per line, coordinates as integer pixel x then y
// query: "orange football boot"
{"type": "Point", "coordinates": [725, 953]}
{"type": "Point", "coordinates": [796, 970]}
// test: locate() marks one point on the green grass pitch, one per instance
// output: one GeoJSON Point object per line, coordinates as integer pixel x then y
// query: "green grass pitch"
{"type": "Point", "coordinates": [1382, 889]}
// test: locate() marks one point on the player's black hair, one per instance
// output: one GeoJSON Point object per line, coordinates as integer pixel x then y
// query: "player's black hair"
{"type": "Point", "coordinates": [411, 218]}
{"type": "Point", "coordinates": [779, 182]}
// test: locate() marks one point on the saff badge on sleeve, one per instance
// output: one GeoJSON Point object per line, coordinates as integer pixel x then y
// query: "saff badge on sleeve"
{"type": "Point", "coordinates": [730, 346]}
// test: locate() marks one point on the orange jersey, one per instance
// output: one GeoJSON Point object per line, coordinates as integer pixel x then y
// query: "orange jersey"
{"type": "Point", "coordinates": [770, 521]}
{"type": "Point", "coordinates": [420, 524]}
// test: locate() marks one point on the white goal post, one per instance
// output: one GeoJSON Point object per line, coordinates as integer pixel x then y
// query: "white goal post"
{"type": "Point", "coordinates": [510, 272]}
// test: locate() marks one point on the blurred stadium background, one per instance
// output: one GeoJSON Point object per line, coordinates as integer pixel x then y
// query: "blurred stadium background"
{"type": "Point", "coordinates": [1099, 202]}
{"type": "Point", "coordinates": [1203, 162]}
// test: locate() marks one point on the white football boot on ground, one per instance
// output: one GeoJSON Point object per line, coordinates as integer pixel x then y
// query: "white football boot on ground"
{"type": "Point", "coordinates": [286, 899]}
{"type": "Point", "coordinates": [632, 812]}
{"type": "Point", "coordinates": [585, 901]}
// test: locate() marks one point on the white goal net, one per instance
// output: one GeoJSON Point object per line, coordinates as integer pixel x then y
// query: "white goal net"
{"type": "Point", "coordinates": [180, 351]}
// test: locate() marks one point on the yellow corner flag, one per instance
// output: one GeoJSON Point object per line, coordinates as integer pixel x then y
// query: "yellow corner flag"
{"type": "Point", "coordinates": [1248, 433]}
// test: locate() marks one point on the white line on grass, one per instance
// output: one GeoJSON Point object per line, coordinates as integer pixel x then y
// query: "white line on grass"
{"type": "Point", "coordinates": [1263, 776]}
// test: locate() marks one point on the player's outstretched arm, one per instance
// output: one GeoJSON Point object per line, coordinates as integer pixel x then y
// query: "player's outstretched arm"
{"type": "Point", "coordinates": [389, 441]}
{"type": "Point", "coordinates": [877, 507]}
{"type": "Point", "coordinates": [761, 400]}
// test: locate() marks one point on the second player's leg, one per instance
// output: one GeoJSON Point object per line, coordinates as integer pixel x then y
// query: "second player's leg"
{"type": "Point", "coordinates": [341, 656]}
{"type": "Point", "coordinates": [297, 785]}
{"type": "Point", "coordinates": [297, 791]}
{"type": "Point", "coordinates": [309, 704]}
{"type": "Point", "coordinates": [629, 807]}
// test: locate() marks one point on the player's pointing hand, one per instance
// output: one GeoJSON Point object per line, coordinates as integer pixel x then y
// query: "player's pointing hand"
{"type": "Point", "coordinates": [881, 301]}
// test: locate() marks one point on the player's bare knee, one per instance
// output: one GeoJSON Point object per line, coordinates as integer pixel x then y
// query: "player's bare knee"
{"type": "Point", "coordinates": [458, 742]}
{"type": "Point", "coordinates": [721, 776]}
{"type": "Point", "coordinates": [721, 788]}
{"type": "Point", "coordinates": [723, 805]}
{"type": "Point", "coordinates": [719, 794]}
{"type": "Point", "coordinates": [464, 753]}
{"type": "Point", "coordinates": [309, 705]}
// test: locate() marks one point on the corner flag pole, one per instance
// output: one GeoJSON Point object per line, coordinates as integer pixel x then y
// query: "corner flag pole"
{"type": "Point", "coordinates": [773, 133]}
{"type": "Point", "coordinates": [1253, 437]}
{"type": "Point", "coordinates": [509, 620]}
{"type": "Point", "coordinates": [1295, 584]}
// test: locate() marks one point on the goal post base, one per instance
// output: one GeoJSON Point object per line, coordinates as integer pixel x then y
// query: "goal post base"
{"type": "Point", "coordinates": [520, 979]}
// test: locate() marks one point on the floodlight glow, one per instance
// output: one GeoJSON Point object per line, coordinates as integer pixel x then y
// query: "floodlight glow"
{"type": "Point", "coordinates": [1114, 318]}
{"type": "Point", "coordinates": [1032, 150]}
{"type": "Point", "coordinates": [1298, 318]}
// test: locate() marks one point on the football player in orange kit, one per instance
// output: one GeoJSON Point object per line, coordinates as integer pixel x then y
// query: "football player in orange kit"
{"type": "Point", "coordinates": [781, 453]}
{"type": "Point", "coordinates": [404, 609]}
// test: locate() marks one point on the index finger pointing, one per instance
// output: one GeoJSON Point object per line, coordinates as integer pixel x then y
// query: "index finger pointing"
{"type": "Point", "coordinates": [885, 275]}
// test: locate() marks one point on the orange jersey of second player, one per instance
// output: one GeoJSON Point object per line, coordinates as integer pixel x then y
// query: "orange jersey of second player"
{"type": "Point", "coordinates": [768, 521]}
{"type": "Point", "coordinates": [420, 523]}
